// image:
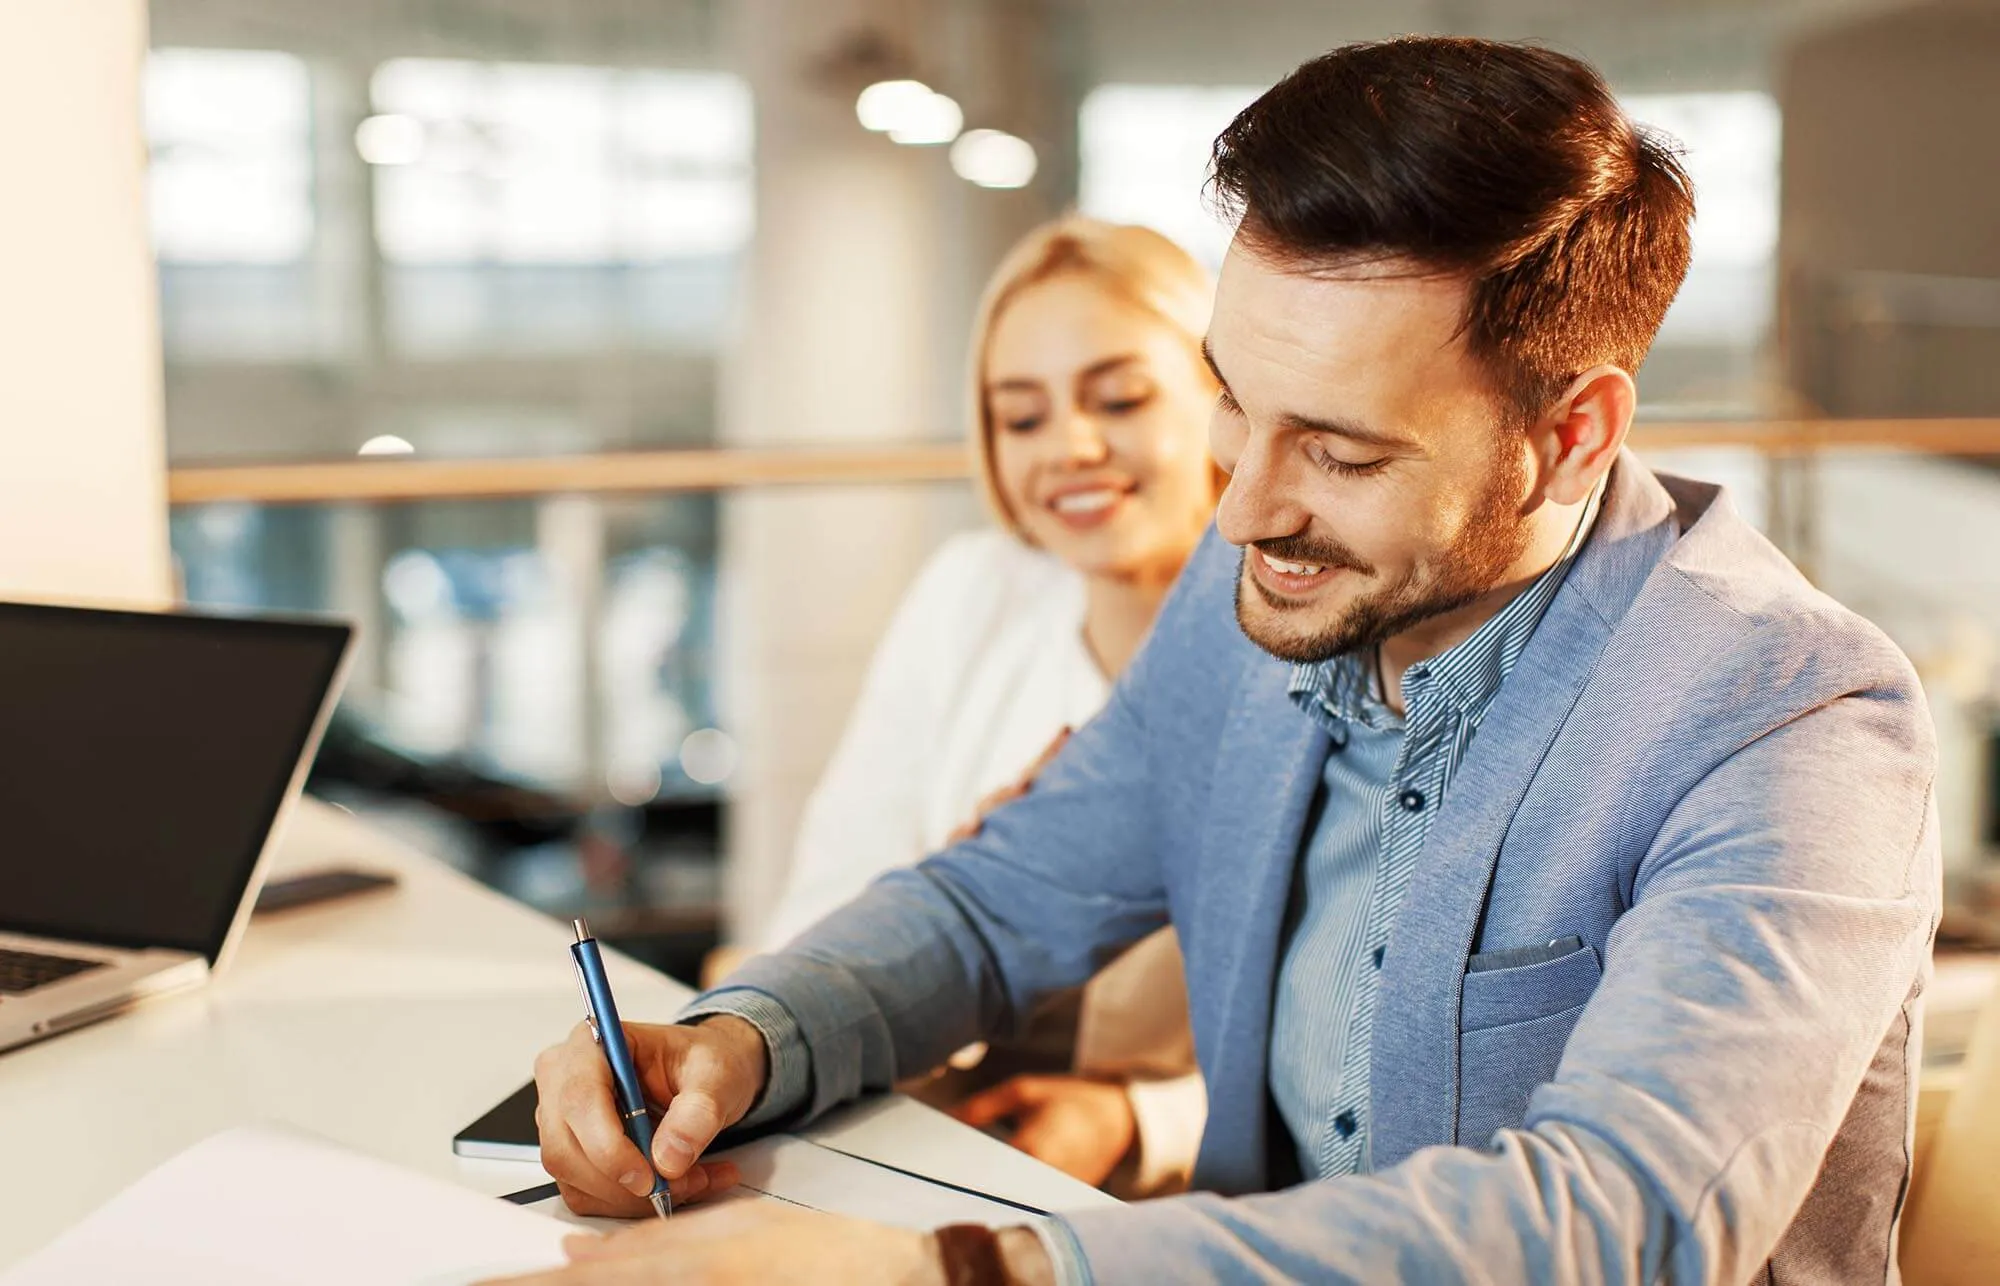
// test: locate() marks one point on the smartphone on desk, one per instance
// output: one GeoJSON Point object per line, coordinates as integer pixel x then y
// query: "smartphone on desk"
{"type": "Point", "coordinates": [319, 886]}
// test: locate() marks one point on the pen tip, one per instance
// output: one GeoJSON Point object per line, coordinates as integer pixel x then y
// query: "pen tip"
{"type": "Point", "coordinates": [582, 929]}
{"type": "Point", "coordinates": [663, 1205]}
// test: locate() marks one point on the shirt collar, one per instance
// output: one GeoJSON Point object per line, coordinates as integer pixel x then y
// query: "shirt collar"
{"type": "Point", "coordinates": [1465, 677]}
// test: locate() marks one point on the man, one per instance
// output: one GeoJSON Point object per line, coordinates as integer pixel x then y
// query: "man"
{"type": "Point", "coordinates": [1555, 867]}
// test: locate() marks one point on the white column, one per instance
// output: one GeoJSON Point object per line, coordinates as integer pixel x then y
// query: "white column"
{"type": "Point", "coordinates": [836, 346]}
{"type": "Point", "coordinates": [852, 333]}
{"type": "Point", "coordinates": [82, 451]}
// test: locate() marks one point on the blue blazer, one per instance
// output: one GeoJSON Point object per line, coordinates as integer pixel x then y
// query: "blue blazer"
{"type": "Point", "coordinates": [1713, 775]}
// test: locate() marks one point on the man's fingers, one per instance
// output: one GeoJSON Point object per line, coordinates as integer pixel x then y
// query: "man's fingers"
{"type": "Point", "coordinates": [563, 1157]}
{"type": "Point", "coordinates": [584, 1202]}
{"type": "Point", "coordinates": [692, 1121]}
{"type": "Point", "coordinates": [585, 1106]}
{"type": "Point", "coordinates": [575, 1115]}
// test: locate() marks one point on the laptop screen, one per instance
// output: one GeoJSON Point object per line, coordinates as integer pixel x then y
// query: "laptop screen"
{"type": "Point", "coordinates": [143, 759]}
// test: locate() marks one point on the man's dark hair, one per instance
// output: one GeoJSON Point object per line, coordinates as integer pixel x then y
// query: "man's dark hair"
{"type": "Point", "coordinates": [1508, 164]}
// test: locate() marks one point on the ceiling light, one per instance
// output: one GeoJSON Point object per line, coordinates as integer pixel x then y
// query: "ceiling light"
{"type": "Point", "coordinates": [993, 158]}
{"type": "Point", "coordinates": [386, 444]}
{"type": "Point", "coordinates": [935, 120]}
{"type": "Point", "coordinates": [888, 104]}
{"type": "Point", "coordinates": [389, 140]}
{"type": "Point", "coordinates": [708, 756]}
{"type": "Point", "coordinates": [909, 111]}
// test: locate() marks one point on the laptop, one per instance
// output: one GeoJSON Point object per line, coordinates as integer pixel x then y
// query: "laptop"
{"type": "Point", "coordinates": [147, 760]}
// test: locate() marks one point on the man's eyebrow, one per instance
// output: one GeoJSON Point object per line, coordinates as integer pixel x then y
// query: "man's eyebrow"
{"type": "Point", "coordinates": [1208, 355]}
{"type": "Point", "coordinates": [1349, 429]}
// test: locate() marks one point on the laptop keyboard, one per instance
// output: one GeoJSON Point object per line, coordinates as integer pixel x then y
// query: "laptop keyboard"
{"type": "Point", "coordinates": [26, 970]}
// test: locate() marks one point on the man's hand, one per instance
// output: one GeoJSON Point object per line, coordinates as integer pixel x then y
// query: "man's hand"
{"type": "Point", "coordinates": [706, 1076]}
{"type": "Point", "coordinates": [747, 1242]}
{"type": "Point", "coordinates": [743, 1242]}
{"type": "Point", "coordinates": [1081, 1126]}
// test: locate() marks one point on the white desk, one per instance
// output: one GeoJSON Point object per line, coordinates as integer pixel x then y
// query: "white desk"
{"type": "Point", "coordinates": [386, 1023]}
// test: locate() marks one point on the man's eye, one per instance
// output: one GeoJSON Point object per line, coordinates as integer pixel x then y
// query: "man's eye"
{"type": "Point", "coordinates": [1342, 468]}
{"type": "Point", "coordinates": [1024, 424]}
{"type": "Point", "coordinates": [1226, 401]}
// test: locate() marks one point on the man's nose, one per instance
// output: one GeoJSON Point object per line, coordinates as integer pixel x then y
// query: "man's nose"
{"type": "Point", "coordinates": [1261, 501]}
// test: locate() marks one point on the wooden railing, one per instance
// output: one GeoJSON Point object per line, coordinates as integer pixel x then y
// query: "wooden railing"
{"type": "Point", "coordinates": [652, 472]}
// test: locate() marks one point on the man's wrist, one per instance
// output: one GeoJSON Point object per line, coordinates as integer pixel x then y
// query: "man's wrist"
{"type": "Point", "coordinates": [746, 1043]}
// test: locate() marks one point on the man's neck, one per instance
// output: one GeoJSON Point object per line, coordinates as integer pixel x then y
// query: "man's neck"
{"type": "Point", "coordinates": [1554, 527]}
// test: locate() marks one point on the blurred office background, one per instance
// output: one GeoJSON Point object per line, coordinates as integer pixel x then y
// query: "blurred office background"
{"type": "Point", "coordinates": [597, 358]}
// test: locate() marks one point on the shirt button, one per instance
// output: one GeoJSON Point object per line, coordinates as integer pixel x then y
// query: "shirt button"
{"type": "Point", "coordinates": [1376, 956]}
{"type": "Point", "coordinates": [1412, 800]}
{"type": "Point", "coordinates": [1345, 1124]}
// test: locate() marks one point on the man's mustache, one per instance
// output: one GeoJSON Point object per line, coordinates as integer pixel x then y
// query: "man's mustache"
{"type": "Point", "coordinates": [1321, 551]}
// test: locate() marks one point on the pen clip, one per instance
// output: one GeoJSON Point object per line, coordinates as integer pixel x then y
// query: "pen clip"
{"type": "Point", "coordinates": [589, 1010]}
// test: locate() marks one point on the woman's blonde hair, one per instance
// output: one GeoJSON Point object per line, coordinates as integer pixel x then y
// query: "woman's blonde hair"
{"type": "Point", "coordinates": [1134, 262]}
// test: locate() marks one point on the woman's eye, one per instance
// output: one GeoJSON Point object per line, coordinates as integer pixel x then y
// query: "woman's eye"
{"type": "Point", "coordinates": [1343, 468]}
{"type": "Point", "coordinates": [1123, 405]}
{"type": "Point", "coordinates": [1023, 424]}
{"type": "Point", "coordinates": [1226, 401]}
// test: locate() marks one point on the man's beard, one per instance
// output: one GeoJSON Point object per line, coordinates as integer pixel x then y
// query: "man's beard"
{"type": "Point", "coordinates": [1493, 540]}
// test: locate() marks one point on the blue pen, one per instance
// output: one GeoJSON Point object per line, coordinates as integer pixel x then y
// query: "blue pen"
{"type": "Point", "coordinates": [601, 1012]}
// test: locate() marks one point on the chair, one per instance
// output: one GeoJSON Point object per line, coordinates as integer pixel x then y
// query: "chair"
{"type": "Point", "coordinates": [1951, 1227]}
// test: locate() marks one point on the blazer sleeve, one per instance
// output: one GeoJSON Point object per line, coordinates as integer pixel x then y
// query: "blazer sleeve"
{"type": "Point", "coordinates": [964, 946]}
{"type": "Point", "coordinates": [1778, 934]}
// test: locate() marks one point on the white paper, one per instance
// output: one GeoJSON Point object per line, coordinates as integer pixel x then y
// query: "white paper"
{"type": "Point", "coordinates": [798, 1172]}
{"type": "Point", "coordinates": [803, 1173]}
{"type": "Point", "coordinates": [256, 1206]}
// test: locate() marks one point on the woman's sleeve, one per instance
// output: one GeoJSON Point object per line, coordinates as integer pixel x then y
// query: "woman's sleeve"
{"type": "Point", "coordinates": [865, 816]}
{"type": "Point", "coordinates": [1170, 1116]}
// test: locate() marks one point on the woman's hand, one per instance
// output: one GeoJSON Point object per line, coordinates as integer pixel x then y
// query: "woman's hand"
{"type": "Point", "coordinates": [1080, 1125]}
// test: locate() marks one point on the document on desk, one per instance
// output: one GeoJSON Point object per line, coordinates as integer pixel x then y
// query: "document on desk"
{"type": "Point", "coordinates": [260, 1206]}
{"type": "Point", "coordinates": [257, 1206]}
{"type": "Point", "coordinates": [802, 1173]}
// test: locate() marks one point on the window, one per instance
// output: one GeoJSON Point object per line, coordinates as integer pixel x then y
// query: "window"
{"type": "Point", "coordinates": [1732, 142]}
{"type": "Point", "coordinates": [231, 140]}
{"type": "Point", "coordinates": [532, 164]}
{"type": "Point", "coordinates": [1144, 158]}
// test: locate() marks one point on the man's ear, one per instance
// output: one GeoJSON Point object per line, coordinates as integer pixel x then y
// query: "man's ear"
{"type": "Point", "coordinates": [1579, 439]}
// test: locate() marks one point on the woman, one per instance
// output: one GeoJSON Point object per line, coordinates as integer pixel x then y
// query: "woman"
{"type": "Point", "coordinates": [1091, 401]}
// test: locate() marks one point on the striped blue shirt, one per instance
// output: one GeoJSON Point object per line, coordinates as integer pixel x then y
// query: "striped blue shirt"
{"type": "Point", "coordinates": [1384, 780]}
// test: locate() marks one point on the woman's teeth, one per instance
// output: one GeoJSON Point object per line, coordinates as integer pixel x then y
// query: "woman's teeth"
{"type": "Point", "coordinates": [1284, 568]}
{"type": "Point", "coordinates": [1086, 502]}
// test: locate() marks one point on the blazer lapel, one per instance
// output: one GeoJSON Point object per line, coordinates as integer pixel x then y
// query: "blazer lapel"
{"type": "Point", "coordinates": [1267, 771]}
{"type": "Point", "coordinates": [1414, 1063]}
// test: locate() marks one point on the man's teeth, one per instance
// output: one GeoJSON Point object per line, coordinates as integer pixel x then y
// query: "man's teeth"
{"type": "Point", "coordinates": [1086, 502]}
{"type": "Point", "coordinates": [1284, 568]}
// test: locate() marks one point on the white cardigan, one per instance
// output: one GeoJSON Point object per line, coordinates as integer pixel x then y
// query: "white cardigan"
{"type": "Point", "coordinates": [983, 664]}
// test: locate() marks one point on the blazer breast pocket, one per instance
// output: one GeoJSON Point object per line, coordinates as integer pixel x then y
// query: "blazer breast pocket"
{"type": "Point", "coordinates": [1514, 1021]}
